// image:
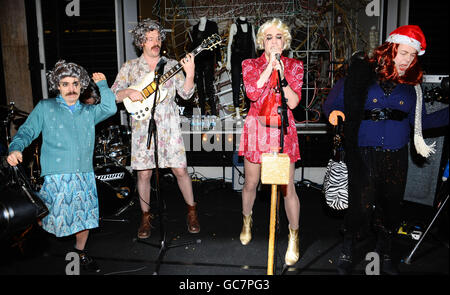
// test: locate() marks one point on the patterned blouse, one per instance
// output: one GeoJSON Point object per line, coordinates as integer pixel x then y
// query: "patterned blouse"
{"type": "Point", "coordinates": [171, 150]}
{"type": "Point", "coordinates": [256, 138]}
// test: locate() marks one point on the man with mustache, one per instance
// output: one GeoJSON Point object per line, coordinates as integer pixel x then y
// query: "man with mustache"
{"type": "Point", "coordinates": [148, 37]}
{"type": "Point", "coordinates": [68, 137]}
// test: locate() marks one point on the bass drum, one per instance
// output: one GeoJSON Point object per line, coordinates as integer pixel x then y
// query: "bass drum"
{"type": "Point", "coordinates": [115, 189]}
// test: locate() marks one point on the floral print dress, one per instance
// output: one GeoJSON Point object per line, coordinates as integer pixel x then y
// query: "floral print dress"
{"type": "Point", "coordinates": [171, 149]}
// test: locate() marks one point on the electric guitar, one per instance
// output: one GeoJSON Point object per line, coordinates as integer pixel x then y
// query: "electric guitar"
{"type": "Point", "coordinates": [141, 110]}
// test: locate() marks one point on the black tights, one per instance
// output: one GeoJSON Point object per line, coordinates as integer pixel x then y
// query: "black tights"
{"type": "Point", "coordinates": [383, 181]}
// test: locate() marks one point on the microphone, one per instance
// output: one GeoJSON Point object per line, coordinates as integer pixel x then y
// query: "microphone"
{"type": "Point", "coordinates": [161, 62]}
{"type": "Point", "coordinates": [278, 57]}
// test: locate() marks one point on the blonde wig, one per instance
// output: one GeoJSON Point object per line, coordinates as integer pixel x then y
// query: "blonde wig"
{"type": "Point", "coordinates": [280, 25]}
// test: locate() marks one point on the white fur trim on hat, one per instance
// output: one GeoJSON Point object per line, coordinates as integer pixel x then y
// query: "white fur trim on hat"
{"type": "Point", "coordinates": [403, 39]}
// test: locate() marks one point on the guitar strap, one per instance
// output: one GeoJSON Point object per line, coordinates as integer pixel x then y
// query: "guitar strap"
{"type": "Point", "coordinates": [161, 69]}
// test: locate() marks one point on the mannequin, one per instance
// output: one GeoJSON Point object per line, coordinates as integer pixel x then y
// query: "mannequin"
{"type": "Point", "coordinates": [243, 35]}
{"type": "Point", "coordinates": [202, 23]}
{"type": "Point", "coordinates": [205, 64]}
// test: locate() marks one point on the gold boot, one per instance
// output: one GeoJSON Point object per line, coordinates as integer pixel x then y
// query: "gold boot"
{"type": "Point", "coordinates": [292, 252]}
{"type": "Point", "coordinates": [246, 233]}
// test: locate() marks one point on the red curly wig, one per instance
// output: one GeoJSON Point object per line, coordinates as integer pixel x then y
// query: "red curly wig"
{"type": "Point", "coordinates": [383, 57]}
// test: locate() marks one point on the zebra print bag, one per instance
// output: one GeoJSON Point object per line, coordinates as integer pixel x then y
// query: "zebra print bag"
{"type": "Point", "coordinates": [335, 183]}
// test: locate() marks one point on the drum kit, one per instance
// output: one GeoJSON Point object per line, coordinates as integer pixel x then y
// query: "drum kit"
{"type": "Point", "coordinates": [112, 146]}
{"type": "Point", "coordinates": [115, 182]}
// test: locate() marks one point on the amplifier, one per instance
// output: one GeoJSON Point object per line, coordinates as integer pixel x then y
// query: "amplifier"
{"type": "Point", "coordinates": [435, 88]}
{"type": "Point", "coordinates": [423, 174]}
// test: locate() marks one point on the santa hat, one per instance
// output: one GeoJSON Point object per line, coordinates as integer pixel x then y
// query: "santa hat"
{"type": "Point", "coordinates": [409, 35]}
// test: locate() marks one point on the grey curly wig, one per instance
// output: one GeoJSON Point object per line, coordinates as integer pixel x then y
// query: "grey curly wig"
{"type": "Point", "coordinates": [65, 69]}
{"type": "Point", "coordinates": [140, 31]}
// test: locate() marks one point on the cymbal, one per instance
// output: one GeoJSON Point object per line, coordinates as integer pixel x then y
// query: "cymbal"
{"type": "Point", "coordinates": [14, 109]}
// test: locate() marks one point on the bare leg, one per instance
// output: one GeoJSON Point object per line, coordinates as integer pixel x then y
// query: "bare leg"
{"type": "Point", "coordinates": [252, 174]}
{"type": "Point", "coordinates": [143, 187]}
{"type": "Point", "coordinates": [291, 201]}
{"type": "Point", "coordinates": [185, 184]}
{"type": "Point", "coordinates": [81, 239]}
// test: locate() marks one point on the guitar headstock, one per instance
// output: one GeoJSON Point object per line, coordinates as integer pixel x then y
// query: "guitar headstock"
{"type": "Point", "coordinates": [211, 42]}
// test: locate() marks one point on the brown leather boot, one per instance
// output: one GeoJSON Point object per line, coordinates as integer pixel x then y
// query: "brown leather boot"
{"type": "Point", "coordinates": [144, 230]}
{"type": "Point", "coordinates": [192, 219]}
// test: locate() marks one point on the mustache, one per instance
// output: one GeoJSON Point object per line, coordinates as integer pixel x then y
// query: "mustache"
{"type": "Point", "coordinates": [156, 46]}
{"type": "Point", "coordinates": [72, 93]}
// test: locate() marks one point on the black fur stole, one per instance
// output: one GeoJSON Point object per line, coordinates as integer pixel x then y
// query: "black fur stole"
{"type": "Point", "coordinates": [361, 75]}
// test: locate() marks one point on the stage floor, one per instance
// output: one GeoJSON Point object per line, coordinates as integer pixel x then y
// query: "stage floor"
{"type": "Point", "coordinates": [216, 250]}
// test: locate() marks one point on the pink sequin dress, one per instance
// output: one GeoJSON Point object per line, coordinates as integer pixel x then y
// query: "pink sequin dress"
{"type": "Point", "coordinates": [257, 138]}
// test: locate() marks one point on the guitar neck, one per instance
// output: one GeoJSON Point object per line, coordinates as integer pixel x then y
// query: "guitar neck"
{"type": "Point", "coordinates": [178, 67]}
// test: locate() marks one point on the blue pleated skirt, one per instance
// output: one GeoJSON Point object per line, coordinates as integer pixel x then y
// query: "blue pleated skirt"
{"type": "Point", "coordinates": [72, 202]}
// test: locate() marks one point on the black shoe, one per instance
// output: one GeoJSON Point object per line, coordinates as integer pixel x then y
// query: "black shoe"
{"type": "Point", "coordinates": [385, 239]}
{"type": "Point", "coordinates": [344, 264]}
{"type": "Point", "coordinates": [345, 261]}
{"type": "Point", "coordinates": [86, 262]}
{"type": "Point", "coordinates": [388, 266]}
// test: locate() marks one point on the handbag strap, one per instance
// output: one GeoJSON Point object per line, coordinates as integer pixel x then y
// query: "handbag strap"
{"type": "Point", "coordinates": [338, 143]}
{"type": "Point", "coordinates": [22, 181]}
{"type": "Point", "coordinates": [19, 176]}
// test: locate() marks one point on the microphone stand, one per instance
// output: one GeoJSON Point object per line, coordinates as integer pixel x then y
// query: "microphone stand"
{"type": "Point", "coordinates": [282, 111]}
{"type": "Point", "coordinates": [162, 209]}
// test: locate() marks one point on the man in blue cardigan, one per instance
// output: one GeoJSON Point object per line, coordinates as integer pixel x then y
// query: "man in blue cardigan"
{"type": "Point", "coordinates": [68, 138]}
